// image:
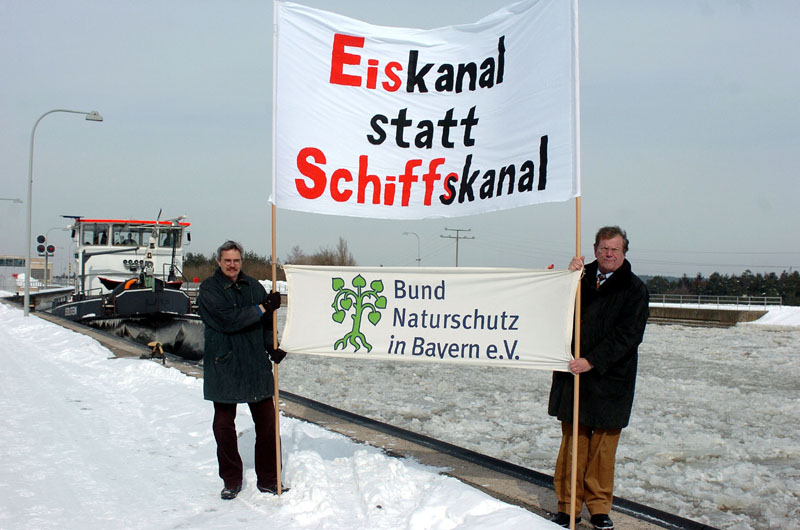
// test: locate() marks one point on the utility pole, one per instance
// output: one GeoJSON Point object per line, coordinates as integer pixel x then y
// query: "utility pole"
{"type": "Point", "coordinates": [457, 237]}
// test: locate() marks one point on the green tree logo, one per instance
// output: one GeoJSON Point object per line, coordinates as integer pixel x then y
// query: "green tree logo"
{"type": "Point", "coordinates": [356, 299]}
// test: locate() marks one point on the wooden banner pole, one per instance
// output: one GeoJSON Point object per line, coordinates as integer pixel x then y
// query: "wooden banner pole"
{"type": "Point", "coordinates": [576, 386]}
{"type": "Point", "coordinates": [576, 102]}
{"type": "Point", "coordinates": [276, 395]}
{"type": "Point", "coordinates": [274, 260]}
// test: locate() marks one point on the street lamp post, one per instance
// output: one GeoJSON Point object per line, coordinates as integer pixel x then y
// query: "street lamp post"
{"type": "Point", "coordinates": [90, 116]}
{"type": "Point", "coordinates": [419, 258]}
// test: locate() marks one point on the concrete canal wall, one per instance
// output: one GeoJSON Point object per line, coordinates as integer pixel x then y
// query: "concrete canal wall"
{"type": "Point", "coordinates": [702, 316]}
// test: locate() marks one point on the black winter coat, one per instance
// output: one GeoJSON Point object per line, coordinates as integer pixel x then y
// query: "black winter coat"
{"type": "Point", "coordinates": [236, 363]}
{"type": "Point", "coordinates": [613, 319]}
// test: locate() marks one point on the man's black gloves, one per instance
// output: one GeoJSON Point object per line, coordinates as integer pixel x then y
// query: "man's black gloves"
{"type": "Point", "coordinates": [272, 301]}
{"type": "Point", "coordinates": [277, 355]}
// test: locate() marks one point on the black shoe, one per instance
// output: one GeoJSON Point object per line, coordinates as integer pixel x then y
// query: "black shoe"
{"type": "Point", "coordinates": [271, 488]}
{"type": "Point", "coordinates": [562, 519]}
{"type": "Point", "coordinates": [602, 521]}
{"type": "Point", "coordinates": [229, 493]}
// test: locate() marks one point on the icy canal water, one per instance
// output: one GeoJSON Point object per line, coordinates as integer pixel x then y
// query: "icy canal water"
{"type": "Point", "coordinates": [714, 437]}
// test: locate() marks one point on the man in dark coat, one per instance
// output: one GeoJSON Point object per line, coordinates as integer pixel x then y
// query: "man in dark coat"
{"type": "Point", "coordinates": [237, 313]}
{"type": "Point", "coordinates": [614, 311]}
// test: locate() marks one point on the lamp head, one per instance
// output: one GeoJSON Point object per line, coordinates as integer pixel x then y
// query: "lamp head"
{"type": "Point", "coordinates": [94, 116]}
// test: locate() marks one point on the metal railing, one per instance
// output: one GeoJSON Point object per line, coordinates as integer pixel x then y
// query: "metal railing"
{"type": "Point", "coordinates": [702, 299]}
{"type": "Point", "coordinates": [192, 290]}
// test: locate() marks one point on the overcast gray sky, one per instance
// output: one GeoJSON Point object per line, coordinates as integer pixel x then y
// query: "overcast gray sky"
{"type": "Point", "coordinates": [690, 116]}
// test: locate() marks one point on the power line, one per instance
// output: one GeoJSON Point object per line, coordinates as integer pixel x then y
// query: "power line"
{"type": "Point", "coordinates": [457, 237]}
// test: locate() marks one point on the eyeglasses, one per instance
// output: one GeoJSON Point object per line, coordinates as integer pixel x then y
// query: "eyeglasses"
{"type": "Point", "coordinates": [615, 251]}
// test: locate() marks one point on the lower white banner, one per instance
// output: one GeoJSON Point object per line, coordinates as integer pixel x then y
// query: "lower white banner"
{"type": "Point", "coordinates": [519, 318]}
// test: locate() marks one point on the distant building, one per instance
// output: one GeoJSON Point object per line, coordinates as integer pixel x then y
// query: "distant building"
{"type": "Point", "coordinates": [12, 273]}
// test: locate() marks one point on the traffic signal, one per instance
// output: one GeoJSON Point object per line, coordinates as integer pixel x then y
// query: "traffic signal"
{"type": "Point", "coordinates": [41, 248]}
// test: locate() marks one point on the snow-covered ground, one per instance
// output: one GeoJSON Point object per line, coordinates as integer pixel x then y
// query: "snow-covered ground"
{"type": "Point", "coordinates": [91, 442]}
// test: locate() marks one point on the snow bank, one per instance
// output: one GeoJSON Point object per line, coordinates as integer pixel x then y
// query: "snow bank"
{"type": "Point", "coordinates": [786, 316]}
{"type": "Point", "coordinates": [93, 442]}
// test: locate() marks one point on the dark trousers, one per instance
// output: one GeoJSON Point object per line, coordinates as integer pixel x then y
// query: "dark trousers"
{"type": "Point", "coordinates": [597, 449]}
{"type": "Point", "coordinates": [230, 463]}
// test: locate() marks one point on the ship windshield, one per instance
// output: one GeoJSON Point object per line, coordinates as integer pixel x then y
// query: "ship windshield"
{"type": "Point", "coordinates": [130, 236]}
{"type": "Point", "coordinates": [94, 234]}
{"type": "Point", "coordinates": [168, 236]}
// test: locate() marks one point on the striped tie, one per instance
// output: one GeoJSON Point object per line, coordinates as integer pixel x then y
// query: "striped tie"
{"type": "Point", "coordinates": [600, 279]}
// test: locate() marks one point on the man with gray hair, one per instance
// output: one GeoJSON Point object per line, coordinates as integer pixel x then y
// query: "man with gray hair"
{"type": "Point", "coordinates": [237, 313]}
{"type": "Point", "coordinates": [614, 311]}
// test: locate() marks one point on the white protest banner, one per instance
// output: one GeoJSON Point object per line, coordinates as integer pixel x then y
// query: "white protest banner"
{"type": "Point", "coordinates": [517, 318]}
{"type": "Point", "coordinates": [396, 123]}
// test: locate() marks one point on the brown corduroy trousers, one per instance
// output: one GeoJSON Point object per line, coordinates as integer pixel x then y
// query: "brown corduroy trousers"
{"type": "Point", "coordinates": [597, 449]}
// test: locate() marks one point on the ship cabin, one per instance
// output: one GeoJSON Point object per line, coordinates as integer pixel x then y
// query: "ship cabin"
{"type": "Point", "coordinates": [117, 250]}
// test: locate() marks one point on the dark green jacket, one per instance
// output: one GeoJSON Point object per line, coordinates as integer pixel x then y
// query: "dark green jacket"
{"type": "Point", "coordinates": [236, 365]}
{"type": "Point", "coordinates": [613, 319]}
